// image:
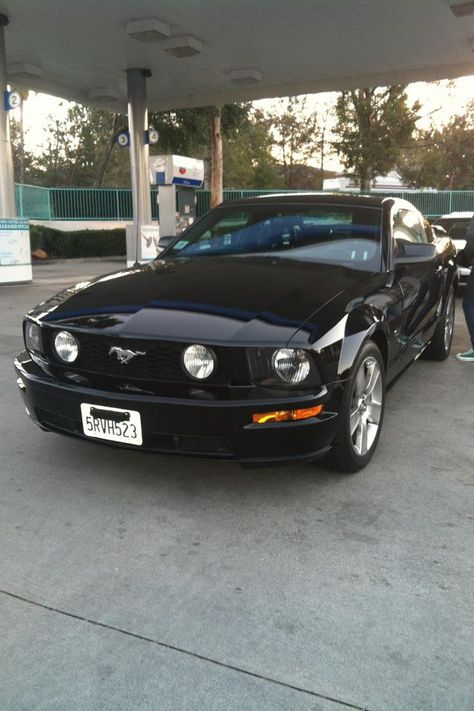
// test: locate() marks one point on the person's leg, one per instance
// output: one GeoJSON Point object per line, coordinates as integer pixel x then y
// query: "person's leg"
{"type": "Point", "coordinates": [468, 307]}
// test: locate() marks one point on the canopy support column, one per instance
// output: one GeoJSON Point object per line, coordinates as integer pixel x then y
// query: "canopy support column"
{"type": "Point", "coordinates": [137, 125]}
{"type": "Point", "coordinates": [7, 185]}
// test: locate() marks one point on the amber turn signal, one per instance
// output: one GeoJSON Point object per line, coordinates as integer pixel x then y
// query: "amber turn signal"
{"type": "Point", "coordinates": [286, 415]}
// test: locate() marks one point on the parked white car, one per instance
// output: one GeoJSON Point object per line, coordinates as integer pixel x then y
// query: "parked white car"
{"type": "Point", "coordinates": [456, 224]}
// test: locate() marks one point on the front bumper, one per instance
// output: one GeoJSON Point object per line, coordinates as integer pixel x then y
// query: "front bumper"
{"type": "Point", "coordinates": [217, 429]}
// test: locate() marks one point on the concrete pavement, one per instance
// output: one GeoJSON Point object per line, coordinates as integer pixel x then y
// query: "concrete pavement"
{"type": "Point", "coordinates": [138, 581]}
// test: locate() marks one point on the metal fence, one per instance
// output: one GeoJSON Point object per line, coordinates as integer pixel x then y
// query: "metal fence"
{"type": "Point", "coordinates": [33, 202]}
{"type": "Point", "coordinates": [90, 204]}
{"type": "Point", "coordinates": [115, 204]}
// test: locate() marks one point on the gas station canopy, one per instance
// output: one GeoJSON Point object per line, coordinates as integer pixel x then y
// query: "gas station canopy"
{"type": "Point", "coordinates": [209, 52]}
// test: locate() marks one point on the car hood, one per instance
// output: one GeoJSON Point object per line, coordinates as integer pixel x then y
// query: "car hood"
{"type": "Point", "coordinates": [243, 299]}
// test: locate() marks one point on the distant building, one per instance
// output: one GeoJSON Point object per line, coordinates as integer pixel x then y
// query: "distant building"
{"type": "Point", "coordinates": [391, 181]}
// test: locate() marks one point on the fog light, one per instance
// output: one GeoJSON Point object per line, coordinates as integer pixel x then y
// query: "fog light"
{"type": "Point", "coordinates": [287, 415]}
{"type": "Point", "coordinates": [21, 384]}
{"type": "Point", "coordinates": [199, 361]}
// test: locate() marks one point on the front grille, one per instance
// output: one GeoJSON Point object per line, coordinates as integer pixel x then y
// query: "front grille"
{"type": "Point", "coordinates": [160, 364]}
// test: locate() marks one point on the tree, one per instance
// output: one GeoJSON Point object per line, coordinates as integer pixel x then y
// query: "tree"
{"type": "Point", "coordinates": [248, 158]}
{"type": "Point", "coordinates": [325, 136]}
{"type": "Point", "coordinates": [215, 123]}
{"type": "Point", "coordinates": [81, 150]}
{"type": "Point", "coordinates": [296, 135]}
{"type": "Point", "coordinates": [24, 162]}
{"type": "Point", "coordinates": [183, 132]}
{"type": "Point", "coordinates": [373, 126]}
{"type": "Point", "coordinates": [443, 158]}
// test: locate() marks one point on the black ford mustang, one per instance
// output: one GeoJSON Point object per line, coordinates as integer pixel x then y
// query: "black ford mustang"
{"type": "Point", "coordinates": [266, 332]}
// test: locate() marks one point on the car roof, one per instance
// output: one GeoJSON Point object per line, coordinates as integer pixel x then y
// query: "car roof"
{"type": "Point", "coordinates": [455, 215]}
{"type": "Point", "coordinates": [316, 198]}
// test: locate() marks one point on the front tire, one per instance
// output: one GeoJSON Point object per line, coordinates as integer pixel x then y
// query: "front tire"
{"type": "Point", "coordinates": [440, 345]}
{"type": "Point", "coordinates": [362, 410]}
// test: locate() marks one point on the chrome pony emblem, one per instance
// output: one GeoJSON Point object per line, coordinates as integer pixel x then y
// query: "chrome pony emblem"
{"type": "Point", "coordinates": [124, 355]}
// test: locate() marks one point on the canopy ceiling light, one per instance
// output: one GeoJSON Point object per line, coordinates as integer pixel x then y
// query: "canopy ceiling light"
{"type": "Point", "coordinates": [104, 95]}
{"type": "Point", "coordinates": [24, 70]}
{"type": "Point", "coordinates": [245, 76]}
{"type": "Point", "coordinates": [461, 9]}
{"type": "Point", "coordinates": [185, 46]}
{"type": "Point", "coordinates": [148, 30]}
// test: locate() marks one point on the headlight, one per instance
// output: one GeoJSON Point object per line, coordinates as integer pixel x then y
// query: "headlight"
{"type": "Point", "coordinates": [291, 365]}
{"type": "Point", "coordinates": [66, 346]}
{"type": "Point", "coordinates": [33, 337]}
{"type": "Point", "coordinates": [199, 361]}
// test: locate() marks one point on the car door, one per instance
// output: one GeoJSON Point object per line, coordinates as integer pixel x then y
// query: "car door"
{"type": "Point", "coordinates": [420, 280]}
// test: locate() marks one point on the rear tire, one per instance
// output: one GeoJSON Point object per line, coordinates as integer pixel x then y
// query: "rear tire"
{"type": "Point", "coordinates": [362, 410]}
{"type": "Point", "coordinates": [440, 345]}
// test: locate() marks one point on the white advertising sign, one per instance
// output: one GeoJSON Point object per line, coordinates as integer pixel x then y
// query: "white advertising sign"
{"type": "Point", "coordinates": [15, 254]}
{"type": "Point", "coordinates": [14, 242]}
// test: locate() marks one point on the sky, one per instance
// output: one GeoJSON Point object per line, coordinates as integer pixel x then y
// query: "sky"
{"type": "Point", "coordinates": [439, 101]}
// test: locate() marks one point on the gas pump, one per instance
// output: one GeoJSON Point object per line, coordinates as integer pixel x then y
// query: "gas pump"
{"type": "Point", "coordinates": [177, 178]}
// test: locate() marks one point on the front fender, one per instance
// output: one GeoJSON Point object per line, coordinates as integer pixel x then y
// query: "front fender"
{"type": "Point", "coordinates": [337, 349]}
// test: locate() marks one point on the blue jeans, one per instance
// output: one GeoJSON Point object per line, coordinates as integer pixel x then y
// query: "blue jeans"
{"type": "Point", "coordinates": [468, 304]}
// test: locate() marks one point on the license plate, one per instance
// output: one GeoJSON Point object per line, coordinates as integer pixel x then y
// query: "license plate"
{"type": "Point", "coordinates": [111, 423]}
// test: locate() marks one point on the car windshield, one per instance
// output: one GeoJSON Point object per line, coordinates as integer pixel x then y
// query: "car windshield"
{"type": "Point", "coordinates": [456, 227]}
{"type": "Point", "coordinates": [348, 235]}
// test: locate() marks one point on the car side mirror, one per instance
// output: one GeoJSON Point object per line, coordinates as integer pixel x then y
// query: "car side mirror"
{"type": "Point", "coordinates": [413, 252]}
{"type": "Point", "coordinates": [164, 242]}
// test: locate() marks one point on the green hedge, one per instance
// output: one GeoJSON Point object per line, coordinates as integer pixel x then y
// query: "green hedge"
{"type": "Point", "coordinates": [81, 243]}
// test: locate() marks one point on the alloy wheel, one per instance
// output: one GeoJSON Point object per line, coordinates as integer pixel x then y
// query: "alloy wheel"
{"type": "Point", "coordinates": [366, 406]}
{"type": "Point", "coordinates": [449, 322]}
